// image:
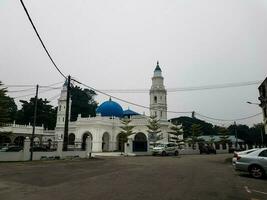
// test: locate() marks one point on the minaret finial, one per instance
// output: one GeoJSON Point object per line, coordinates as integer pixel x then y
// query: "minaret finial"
{"type": "Point", "coordinates": [110, 98]}
{"type": "Point", "coordinates": [157, 63]}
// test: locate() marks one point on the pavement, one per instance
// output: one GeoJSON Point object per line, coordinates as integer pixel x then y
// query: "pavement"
{"type": "Point", "coordinates": [191, 177]}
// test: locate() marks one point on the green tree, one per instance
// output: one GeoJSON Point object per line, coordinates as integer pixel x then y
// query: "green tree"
{"type": "Point", "coordinates": [46, 114]}
{"type": "Point", "coordinates": [8, 107]}
{"type": "Point", "coordinates": [195, 132]}
{"type": "Point", "coordinates": [126, 131]}
{"type": "Point", "coordinates": [83, 103]}
{"type": "Point", "coordinates": [224, 135]}
{"type": "Point", "coordinates": [153, 129]}
{"type": "Point", "coordinates": [176, 130]}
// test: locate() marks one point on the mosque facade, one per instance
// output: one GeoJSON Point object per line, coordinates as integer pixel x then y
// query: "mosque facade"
{"type": "Point", "coordinates": [104, 129]}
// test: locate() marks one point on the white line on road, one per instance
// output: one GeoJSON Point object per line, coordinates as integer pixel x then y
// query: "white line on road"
{"type": "Point", "coordinates": [246, 188]}
{"type": "Point", "coordinates": [260, 192]}
{"type": "Point", "coordinates": [257, 191]}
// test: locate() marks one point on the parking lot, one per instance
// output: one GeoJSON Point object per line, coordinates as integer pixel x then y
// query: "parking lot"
{"type": "Point", "coordinates": [144, 177]}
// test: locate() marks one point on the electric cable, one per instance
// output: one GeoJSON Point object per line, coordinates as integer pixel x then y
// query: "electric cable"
{"type": "Point", "coordinates": [40, 39]}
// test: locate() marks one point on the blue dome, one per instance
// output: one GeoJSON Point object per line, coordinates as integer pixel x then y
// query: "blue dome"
{"type": "Point", "coordinates": [109, 109]}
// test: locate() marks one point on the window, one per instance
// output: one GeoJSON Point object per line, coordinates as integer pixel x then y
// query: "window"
{"type": "Point", "coordinates": [155, 99]}
{"type": "Point", "coordinates": [60, 108]}
{"type": "Point", "coordinates": [63, 119]}
{"type": "Point", "coordinates": [263, 153]}
{"type": "Point", "coordinates": [160, 113]}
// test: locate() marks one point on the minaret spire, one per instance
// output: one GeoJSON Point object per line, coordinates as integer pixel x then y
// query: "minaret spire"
{"type": "Point", "coordinates": [158, 95]}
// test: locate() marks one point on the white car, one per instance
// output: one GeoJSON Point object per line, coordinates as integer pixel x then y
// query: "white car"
{"type": "Point", "coordinates": [236, 154]}
{"type": "Point", "coordinates": [166, 149]}
{"type": "Point", "coordinates": [255, 163]}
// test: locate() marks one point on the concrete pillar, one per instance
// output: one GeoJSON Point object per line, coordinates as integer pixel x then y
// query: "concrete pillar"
{"type": "Point", "coordinates": [227, 147]}
{"type": "Point", "coordinates": [59, 147]}
{"type": "Point", "coordinates": [130, 147]}
{"type": "Point", "coordinates": [221, 147]}
{"type": "Point", "coordinates": [26, 149]}
{"type": "Point", "coordinates": [88, 147]}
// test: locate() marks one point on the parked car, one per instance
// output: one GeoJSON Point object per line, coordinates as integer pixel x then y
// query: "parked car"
{"type": "Point", "coordinates": [40, 148]}
{"type": "Point", "coordinates": [11, 149]}
{"type": "Point", "coordinates": [207, 149]}
{"type": "Point", "coordinates": [166, 149]}
{"type": "Point", "coordinates": [241, 153]}
{"type": "Point", "coordinates": [254, 162]}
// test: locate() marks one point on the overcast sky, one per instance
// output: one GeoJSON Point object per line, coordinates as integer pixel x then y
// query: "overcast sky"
{"type": "Point", "coordinates": [116, 44]}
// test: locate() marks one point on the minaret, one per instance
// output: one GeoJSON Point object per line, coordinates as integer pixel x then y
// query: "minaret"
{"type": "Point", "coordinates": [61, 110]}
{"type": "Point", "coordinates": [158, 95]}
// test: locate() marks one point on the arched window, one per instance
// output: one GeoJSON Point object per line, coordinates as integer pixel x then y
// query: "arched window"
{"type": "Point", "coordinates": [71, 139]}
{"type": "Point", "coordinates": [155, 99]}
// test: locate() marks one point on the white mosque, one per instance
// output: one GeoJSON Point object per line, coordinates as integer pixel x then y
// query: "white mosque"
{"type": "Point", "coordinates": [104, 129]}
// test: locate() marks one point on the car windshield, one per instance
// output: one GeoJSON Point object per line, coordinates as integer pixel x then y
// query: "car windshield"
{"type": "Point", "coordinates": [160, 145]}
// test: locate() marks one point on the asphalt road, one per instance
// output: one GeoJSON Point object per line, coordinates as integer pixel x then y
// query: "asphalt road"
{"type": "Point", "coordinates": [203, 177]}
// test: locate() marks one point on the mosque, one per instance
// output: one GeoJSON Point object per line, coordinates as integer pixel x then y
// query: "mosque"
{"type": "Point", "coordinates": [104, 129]}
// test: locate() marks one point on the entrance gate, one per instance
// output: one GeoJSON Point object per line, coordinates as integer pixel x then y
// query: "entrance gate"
{"type": "Point", "coordinates": [140, 143]}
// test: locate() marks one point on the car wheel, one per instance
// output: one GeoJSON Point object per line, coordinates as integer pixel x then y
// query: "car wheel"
{"type": "Point", "coordinates": [164, 153]}
{"type": "Point", "coordinates": [256, 171]}
{"type": "Point", "coordinates": [176, 153]}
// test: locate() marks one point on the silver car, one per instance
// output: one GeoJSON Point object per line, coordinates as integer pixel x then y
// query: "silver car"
{"type": "Point", "coordinates": [166, 149]}
{"type": "Point", "coordinates": [255, 163]}
{"type": "Point", "coordinates": [236, 153]}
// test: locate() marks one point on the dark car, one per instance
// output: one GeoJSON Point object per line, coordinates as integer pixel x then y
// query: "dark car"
{"type": "Point", "coordinates": [11, 149]}
{"type": "Point", "coordinates": [39, 149]}
{"type": "Point", "coordinates": [207, 149]}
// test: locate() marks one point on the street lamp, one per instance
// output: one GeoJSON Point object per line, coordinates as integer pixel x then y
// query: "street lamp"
{"type": "Point", "coordinates": [263, 122]}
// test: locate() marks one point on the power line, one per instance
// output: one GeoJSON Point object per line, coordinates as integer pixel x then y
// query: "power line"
{"type": "Point", "coordinates": [229, 120]}
{"type": "Point", "coordinates": [125, 101]}
{"type": "Point", "coordinates": [25, 9]}
{"type": "Point", "coordinates": [31, 86]}
{"type": "Point", "coordinates": [31, 94]}
{"type": "Point", "coordinates": [185, 89]}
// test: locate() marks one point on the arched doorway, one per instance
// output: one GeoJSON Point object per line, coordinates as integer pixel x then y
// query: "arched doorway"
{"type": "Point", "coordinates": [19, 141]}
{"type": "Point", "coordinates": [120, 143]}
{"type": "Point", "coordinates": [85, 135]}
{"type": "Point", "coordinates": [4, 140]}
{"type": "Point", "coordinates": [140, 142]}
{"type": "Point", "coordinates": [105, 142]}
{"type": "Point", "coordinates": [71, 139]}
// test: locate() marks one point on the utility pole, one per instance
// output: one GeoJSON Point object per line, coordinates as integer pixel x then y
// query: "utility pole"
{"type": "Point", "coordinates": [193, 114]}
{"type": "Point", "coordinates": [66, 127]}
{"type": "Point", "coordinates": [235, 135]}
{"type": "Point", "coordinates": [34, 120]}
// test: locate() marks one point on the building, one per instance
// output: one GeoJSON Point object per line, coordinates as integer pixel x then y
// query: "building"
{"type": "Point", "coordinates": [104, 129]}
{"type": "Point", "coordinates": [263, 102]}
{"type": "Point", "coordinates": [15, 134]}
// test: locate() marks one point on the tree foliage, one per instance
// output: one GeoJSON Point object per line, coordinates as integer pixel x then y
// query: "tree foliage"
{"type": "Point", "coordinates": [8, 107]}
{"type": "Point", "coordinates": [153, 129]}
{"type": "Point", "coordinates": [224, 135]}
{"type": "Point", "coordinates": [176, 130]}
{"type": "Point", "coordinates": [46, 114]}
{"type": "Point", "coordinates": [83, 103]}
{"type": "Point", "coordinates": [195, 132]}
{"type": "Point", "coordinates": [126, 131]}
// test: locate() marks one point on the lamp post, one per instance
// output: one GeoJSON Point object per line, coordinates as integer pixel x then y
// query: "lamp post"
{"type": "Point", "coordinates": [263, 122]}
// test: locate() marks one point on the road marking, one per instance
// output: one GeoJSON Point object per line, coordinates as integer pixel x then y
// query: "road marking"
{"type": "Point", "coordinates": [260, 192]}
{"type": "Point", "coordinates": [246, 188]}
{"type": "Point", "coordinates": [256, 191]}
